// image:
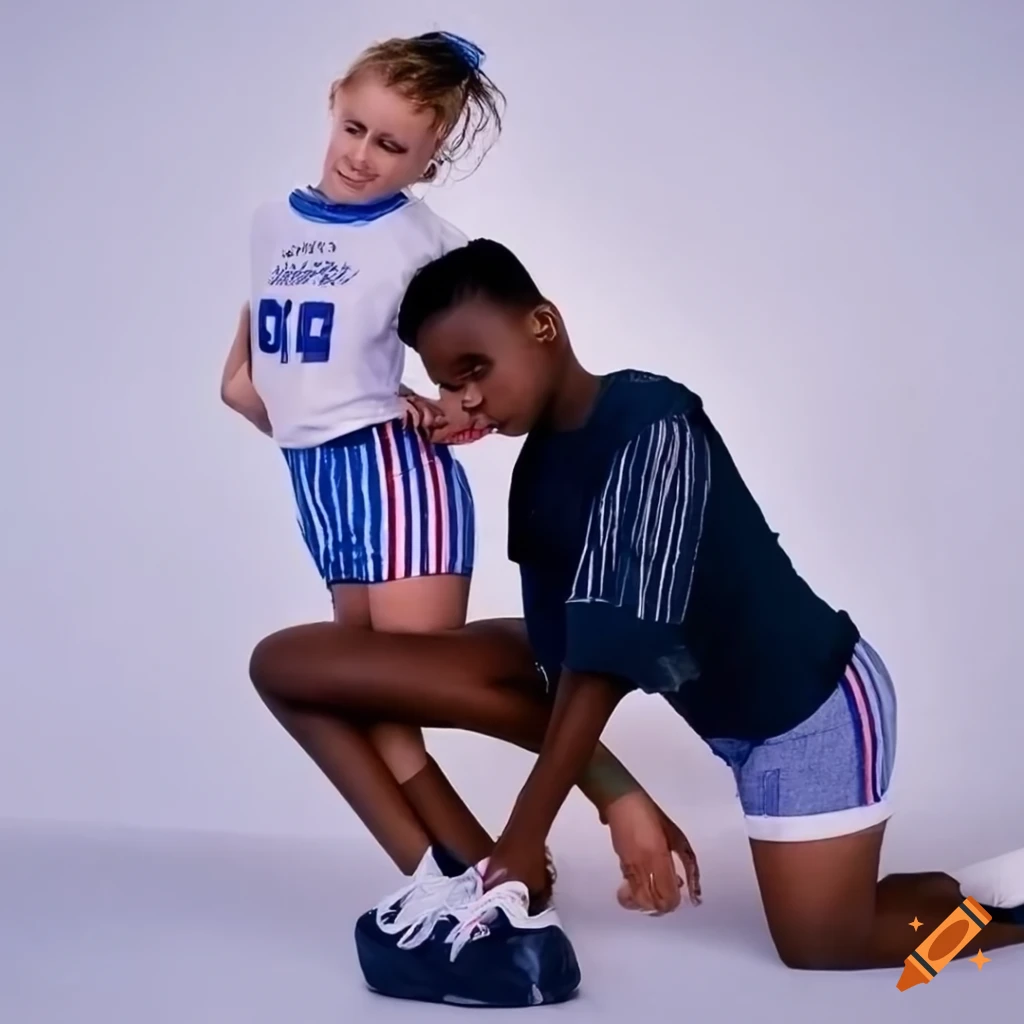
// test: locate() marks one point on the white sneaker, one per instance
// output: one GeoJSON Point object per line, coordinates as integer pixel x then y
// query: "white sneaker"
{"type": "Point", "coordinates": [997, 884]}
{"type": "Point", "coordinates": [506, 905]}
{"type": "Point", "coordinates": [423, 901]}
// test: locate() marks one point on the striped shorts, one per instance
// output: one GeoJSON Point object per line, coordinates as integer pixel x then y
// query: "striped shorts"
{"type": "Point", "coordinates": [383, 504]}
{"type": "Point", "coordinates": [830, 775]}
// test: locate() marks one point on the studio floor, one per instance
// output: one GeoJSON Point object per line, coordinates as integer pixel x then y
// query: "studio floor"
{"type": "Point", "coordinates": [125, 927]}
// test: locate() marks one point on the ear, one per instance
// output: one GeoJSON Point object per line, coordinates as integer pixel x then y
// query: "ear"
{"type": "Point", "coordinates": [436, 163]}
{"type": "Point", "coordinates": [545, 324]}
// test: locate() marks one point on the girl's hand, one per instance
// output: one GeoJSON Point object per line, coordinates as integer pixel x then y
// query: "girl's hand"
{"type": "Point", "coordinates": [459, 426]}
{"type": "Point", "coordinates": [423, 414]}
{"type": "Point", "coordinates": [455, 434]}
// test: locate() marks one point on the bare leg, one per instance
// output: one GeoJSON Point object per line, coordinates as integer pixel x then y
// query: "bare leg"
{"type": "Point", "coordinates": [827, 910]}
{"type": "Point", "coordinates": [345, 753]}
{"type": "Point", "coordinates": [426, 604]}
{"type": "Point", "coordinates": [481, 678]}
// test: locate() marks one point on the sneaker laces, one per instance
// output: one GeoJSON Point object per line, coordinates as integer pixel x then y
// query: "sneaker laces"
{"type": "Point", "coordinates": [474, 921]}
{"type": "Point", "coordinates": [424, 903]}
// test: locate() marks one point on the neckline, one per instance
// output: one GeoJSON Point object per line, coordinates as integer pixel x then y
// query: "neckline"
{"type": "Point", "coordinates": [605, 383]}
{"type": "Point", "coordinates": [312, 204]}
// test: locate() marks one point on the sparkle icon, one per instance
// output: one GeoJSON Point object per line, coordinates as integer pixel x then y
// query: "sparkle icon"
{"type": "Point", "coordinates": [981, 960]}
{"type": "Point", "coordinates": [939, 948]}
{"type": "Point", "coordinates": [915, 924]}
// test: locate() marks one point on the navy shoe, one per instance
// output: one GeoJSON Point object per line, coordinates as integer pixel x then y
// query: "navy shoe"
{"type": "Point", "coordinates": [461, 946]}
{"type": "Point", "coordinates": [1007, 915]}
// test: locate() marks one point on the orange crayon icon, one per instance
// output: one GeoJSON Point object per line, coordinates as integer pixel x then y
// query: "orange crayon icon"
{"type": "Point", "coordinates": [943, 944]}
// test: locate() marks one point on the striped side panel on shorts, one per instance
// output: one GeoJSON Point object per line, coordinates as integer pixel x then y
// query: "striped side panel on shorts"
{"type": "Point", "coordinates": [871, 698]}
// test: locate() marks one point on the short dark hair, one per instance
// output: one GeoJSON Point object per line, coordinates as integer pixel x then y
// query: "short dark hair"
{"type": "Point", "coordinates": [481, 269]}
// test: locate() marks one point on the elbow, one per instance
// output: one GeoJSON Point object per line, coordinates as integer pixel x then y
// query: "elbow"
{"type": "Point", "coordinates": [229, 395]}
{"type": "Point", "coordinates": [612, 686]}
{"type": "Point", "coordinates": [236, 388]}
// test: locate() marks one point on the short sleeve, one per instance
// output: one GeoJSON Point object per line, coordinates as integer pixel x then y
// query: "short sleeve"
{"type": "Point", "coordinates": [449, 237]}
{"type": "Point", "coordinates": [544, 614]}
{"type": "Point", "coordinates": [634, 580]}
{"type": "Point", "coordinates": [430, 238]}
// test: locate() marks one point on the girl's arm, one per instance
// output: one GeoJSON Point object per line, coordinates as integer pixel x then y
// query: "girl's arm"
{"type": "Point", "coordinates": [236, 388]}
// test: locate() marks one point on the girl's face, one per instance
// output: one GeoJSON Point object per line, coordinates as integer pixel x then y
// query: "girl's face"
{"type": "Point", "coordinates": [381, 143]}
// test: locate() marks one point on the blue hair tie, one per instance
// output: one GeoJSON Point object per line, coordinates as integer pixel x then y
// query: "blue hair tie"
{"type": "Point", "coordinates": [469, 52]}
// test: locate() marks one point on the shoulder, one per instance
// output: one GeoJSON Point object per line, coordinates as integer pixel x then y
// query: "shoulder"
{"type": "Point", "coordinates": [272, 210]}
{"type": "Point", "coordinates": [674, 428]}
{"type": "Point", "coordinates": [672, 445]}
{"type": "Point", "coordinates": [637, 408]}
{"type": "Point", "coordinates": [428, 230]}
{"type": "Point", "coordinates": [651, 393]}
{"type": "Point", "coordinates": [269, 219]}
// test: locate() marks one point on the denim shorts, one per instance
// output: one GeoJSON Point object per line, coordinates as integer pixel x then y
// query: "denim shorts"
{"type": "Point", "coordinates": [830, 775]}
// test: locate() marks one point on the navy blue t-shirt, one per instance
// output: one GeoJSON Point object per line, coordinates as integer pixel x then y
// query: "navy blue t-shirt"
{"type": "Point", "coordinates": [643, 556]}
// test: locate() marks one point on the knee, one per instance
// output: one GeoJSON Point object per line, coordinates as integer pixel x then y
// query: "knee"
{"type": "Point", "coordinates": [808, 955]}
{"type": "Point", "coordinates": [805, 960]}
{"type": "Point", "coordinates": [267, 662]}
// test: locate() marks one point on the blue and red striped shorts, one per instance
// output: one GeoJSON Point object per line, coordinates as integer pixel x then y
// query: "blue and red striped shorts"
{"type": "Point", "coordinates": [383, 504]}
{"type": "Point", "coordinates": [830, 775]}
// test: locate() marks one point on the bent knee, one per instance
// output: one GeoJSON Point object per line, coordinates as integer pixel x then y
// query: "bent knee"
{"type": "Point", "coordinates": [807, 960]}
{"type": "Point", "coordinates": [825, 955]}
{"type": "Point", "coordinates": [269, 660]}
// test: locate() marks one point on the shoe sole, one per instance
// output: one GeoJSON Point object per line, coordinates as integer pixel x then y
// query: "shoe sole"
{"type": "Point", "coordinates": [423, 996]}
{"type": "Point", "coordinates": [396, 986]}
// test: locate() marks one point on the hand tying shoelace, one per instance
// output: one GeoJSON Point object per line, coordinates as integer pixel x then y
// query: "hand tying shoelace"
{"type": "Point", "coordinates": [474, 921]}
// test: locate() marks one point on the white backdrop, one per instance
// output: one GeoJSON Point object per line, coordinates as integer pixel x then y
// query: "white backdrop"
{"type": "Point", "coordinates": [809, 212]}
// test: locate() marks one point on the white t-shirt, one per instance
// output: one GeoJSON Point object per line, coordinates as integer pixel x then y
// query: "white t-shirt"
{"type": "Point", "coordinates": [326, 288]}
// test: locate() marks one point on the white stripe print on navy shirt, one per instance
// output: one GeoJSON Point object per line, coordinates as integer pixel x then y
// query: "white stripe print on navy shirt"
{"type": "Point", "coordinates": [645, 527]}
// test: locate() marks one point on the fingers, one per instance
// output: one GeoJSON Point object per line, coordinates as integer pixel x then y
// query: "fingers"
{"type": "Point", "coordinates": [431, 418]}
{"type": "Point", "coordinates": [446, 435]}
{"type": "Point", "coordinates": [653, 886]}
{"type": "Point", "coordinates": [692, 871]}
{"type": "Point", "coordinates": [420, 414]}
{"type": "Point", "coordinates": [625, 897]}
{"type": "Point", "coordinates": [643, 899]}
{"type": "Point", "coordinates": [637, 895]}
{"type": "Point", "coordinates": [410, 413]}
{"type": "Point", "coordinates": [684, 851]}
{"type": "Point", "coordinates": [665, 883]}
